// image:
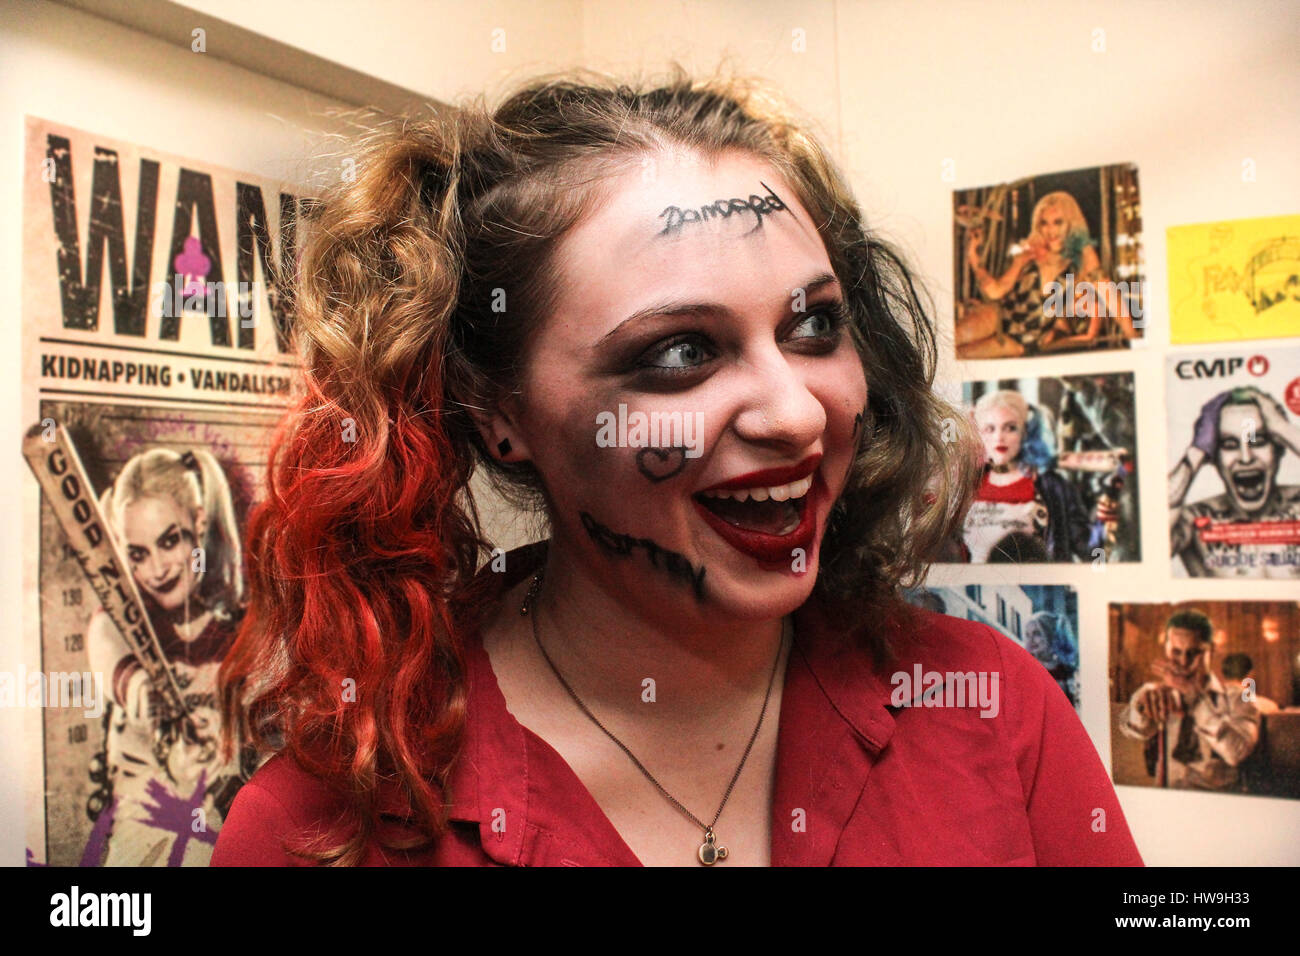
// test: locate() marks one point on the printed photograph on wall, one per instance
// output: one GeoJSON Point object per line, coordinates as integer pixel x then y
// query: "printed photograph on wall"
{"type": "Point", "coordinates": [1041, 618]}
{"type": "Point", "coordinates": [156, 360]}
{"type": "Point", "coordinates": [1234, 460]}
{"type": "Point", "coordinates": [1059, 477]}
{"type": "Point", "coordinates": [1049, 263]}
{"type": "Point", "coordinates": [1234, 280]}
{"type": "Point", "coordinates": [1206, 696]}
{"type": "Point", "coordinates": [144, 786]}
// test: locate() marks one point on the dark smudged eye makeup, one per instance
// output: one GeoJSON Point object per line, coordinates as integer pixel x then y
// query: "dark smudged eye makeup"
{"type": "Point", "coordinates": [682, 356]}
{"type": "Point", "coordinates": [823, 324]}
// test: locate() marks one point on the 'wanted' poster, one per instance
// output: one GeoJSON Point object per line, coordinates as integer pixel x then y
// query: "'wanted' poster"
{"type": "Point", "coordinates": [1234, 463]}
{"type": "Point", "coordinates": [156, 317]}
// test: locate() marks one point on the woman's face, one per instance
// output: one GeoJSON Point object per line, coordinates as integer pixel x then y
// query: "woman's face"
{"type": "Point", "coordinates": [1052, 227]}
{"type": "Point", "coordinates": [693, 404]}
{"type": "Point", "coordinates": [160, 538]}
{"type": "Point", "coordinates": [1036, 640]}
{"type": "Point", "coordinates": [1002, 433]}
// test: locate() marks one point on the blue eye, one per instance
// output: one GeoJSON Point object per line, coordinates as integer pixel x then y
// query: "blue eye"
{"type": "Point", "coordinates": [824, 324]}
{"type": "Point", "coordinates": [681, 354]}
{"type": "Point", "coordinates": [818, 324]}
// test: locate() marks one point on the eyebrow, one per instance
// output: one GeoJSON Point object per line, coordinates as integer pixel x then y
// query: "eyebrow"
{"type": "Point", "coordinates": [166, 531]}
{"type": "Point", "coordinates": [711, 309]}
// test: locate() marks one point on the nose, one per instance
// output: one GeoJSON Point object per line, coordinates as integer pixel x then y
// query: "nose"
{"type": "Point", "coordinates": [1247, 449]}
{"type": "Point", "coordinates": [779, 409]}
{"type": "Point", "coordinates": [156, 569]}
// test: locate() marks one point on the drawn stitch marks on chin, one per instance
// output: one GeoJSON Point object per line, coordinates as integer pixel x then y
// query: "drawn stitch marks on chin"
{"type": "Point", "coordinates": [623, 544]}
{"type": "Point", "coordinates": [676, 217]}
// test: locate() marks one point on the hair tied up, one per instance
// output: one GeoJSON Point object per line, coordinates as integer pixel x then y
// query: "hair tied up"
{"type": "Point", "coordinates": [435, 180]}
{"type": "Point", "coordinates": [192, 463]}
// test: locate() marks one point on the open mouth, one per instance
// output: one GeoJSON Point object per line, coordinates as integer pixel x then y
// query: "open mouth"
{"type": "Point", "coordinates": [1249, 483]}
{"type": "Point", "coordinates": [775, 510]}
{"type": "Point", "coordinates": [766, 521]}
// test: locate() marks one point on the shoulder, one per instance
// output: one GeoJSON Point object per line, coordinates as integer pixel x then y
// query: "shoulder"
{"type": "Point", "coordinates": [279, 800]}
{"type": "Point", "coordinates": [101, 627]}
{"type": "Point", "coordinates": [1021, 702]}
{"type": "Point", "coordinates": [960, 644]}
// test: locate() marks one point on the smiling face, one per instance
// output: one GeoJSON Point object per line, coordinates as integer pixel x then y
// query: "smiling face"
{"type": "Point", "coordinates": [1002, 432]}
{"type": "Point", "coordinates": [160, 538]}
{"type": "Point", "coordinates": [1036, 640]}
{"type": "Point", "coordinates": [1246, 457]}
{"type": "Point", "coordinates": [1189, 655]}
{"type": "Point", "coordinates": [1052, 227]}
{"type": "Point", "coordinates": [666, 315]}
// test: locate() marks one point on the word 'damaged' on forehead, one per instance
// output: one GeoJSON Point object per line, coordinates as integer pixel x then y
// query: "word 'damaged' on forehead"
{"type": "Point", "coordinates": [675, 217]}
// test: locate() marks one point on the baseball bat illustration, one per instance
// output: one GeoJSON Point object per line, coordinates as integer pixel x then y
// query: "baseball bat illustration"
{"type": "Point", "coordinates": [54, 460]}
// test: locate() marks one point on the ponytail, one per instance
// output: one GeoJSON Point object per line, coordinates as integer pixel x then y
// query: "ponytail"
{"type": "Point", "coordinates": [361, 554]}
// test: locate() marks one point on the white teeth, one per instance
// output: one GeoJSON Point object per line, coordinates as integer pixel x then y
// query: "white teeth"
{"type": "Point", "coordinates": [794, 490]}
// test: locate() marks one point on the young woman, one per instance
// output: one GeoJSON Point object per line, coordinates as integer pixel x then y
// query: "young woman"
{"type": "Point", "coordinates": [1016, 317]}
{"type": "Point", "coordinates": [1024, 510]}
{"type": "Point", "coordinates": [1049, 637]}
{"type": "Point", "coordinates": [164, 789]}
{"type": "Point", "coordinates": [654, 316]}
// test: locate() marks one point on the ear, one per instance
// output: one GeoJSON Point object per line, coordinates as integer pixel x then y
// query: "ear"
{"type": "Point", "coordinates": [501, 434]}
{"type": "Point", "coordinates": [200, 524]}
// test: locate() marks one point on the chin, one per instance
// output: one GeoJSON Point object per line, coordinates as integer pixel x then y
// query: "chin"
{"type": "Point", "coordinates": [763, 595]}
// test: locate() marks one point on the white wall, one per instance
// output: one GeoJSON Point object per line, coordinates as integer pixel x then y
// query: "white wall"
{"type": "Point", "coordinates": [895, 87]}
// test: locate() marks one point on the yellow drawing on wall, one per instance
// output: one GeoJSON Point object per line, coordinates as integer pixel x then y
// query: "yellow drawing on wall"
{"type": "Point", "coordinates": [1234, 280]}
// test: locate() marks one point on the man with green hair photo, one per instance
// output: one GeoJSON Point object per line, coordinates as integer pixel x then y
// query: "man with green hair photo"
{"type": "Point", "coordinates": [1252, 528]}
{"type": "Point", "coordinates": [1197, 731]}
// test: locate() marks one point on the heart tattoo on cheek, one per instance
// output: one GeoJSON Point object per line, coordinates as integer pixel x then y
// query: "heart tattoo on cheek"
{"type": "Point", "coordinates": [660, 464]}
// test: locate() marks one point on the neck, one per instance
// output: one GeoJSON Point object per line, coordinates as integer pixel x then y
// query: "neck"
{"type": "Point", "coordinates": [606, 646]}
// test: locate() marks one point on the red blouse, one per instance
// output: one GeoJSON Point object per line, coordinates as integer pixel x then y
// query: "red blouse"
{"type": "Point", "coordinates": [860, 780]}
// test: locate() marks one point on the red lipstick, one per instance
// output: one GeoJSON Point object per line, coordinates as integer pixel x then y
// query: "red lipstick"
{"type": "Point", "coordinates": [775, 551]}
{"type": "Point", "coordinates": [770, 477]}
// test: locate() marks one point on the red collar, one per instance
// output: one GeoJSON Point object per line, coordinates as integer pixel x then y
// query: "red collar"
{"type": "Point", "coordinates": [835, 720]}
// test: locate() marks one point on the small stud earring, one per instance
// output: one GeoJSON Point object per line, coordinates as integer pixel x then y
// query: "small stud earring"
{"type": "Point", "coordinates": [503, 447]}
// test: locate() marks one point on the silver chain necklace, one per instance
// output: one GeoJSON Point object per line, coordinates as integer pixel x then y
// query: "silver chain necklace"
{"type": "Point", "coordinates": [709, 852]}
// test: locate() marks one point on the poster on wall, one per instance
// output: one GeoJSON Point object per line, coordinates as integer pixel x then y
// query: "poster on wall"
{"type": "Point", "coordinates": [1041, 618]}
{"type": "Point", "coordinates": [156, 316]}
{"type": "Point", "coordinates": [1059, 479]}
{"type": "Point", "coordinates": [1234, 460]}
{"type": "Point", "coordinates": [1234, 280]}
{"type": "Point", "coordinates": [1049, 263]}
{"type": "Point", "coordinates": [1206, 696]}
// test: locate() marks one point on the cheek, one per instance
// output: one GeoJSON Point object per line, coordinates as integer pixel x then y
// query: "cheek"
{"type": "Point", "coordinates": [622, 455]}
{"type": "Point", "coordinates": [841, 387]}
